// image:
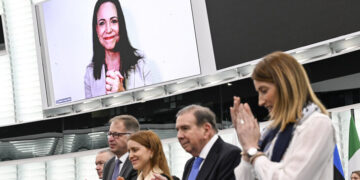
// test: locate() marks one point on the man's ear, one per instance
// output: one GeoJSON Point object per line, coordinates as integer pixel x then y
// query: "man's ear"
{"type": "Point", "coordinates": [207, 127]}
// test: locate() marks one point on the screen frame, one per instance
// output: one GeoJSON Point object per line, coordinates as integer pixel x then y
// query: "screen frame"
{"type": "Point", "coordinates": [202, 38]}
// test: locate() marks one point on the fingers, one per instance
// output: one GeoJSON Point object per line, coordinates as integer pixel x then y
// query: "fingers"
{"type": "Point", "coordinates": [249, 115]}
{"type": "Point", "coordinates": [248, 109]}
{"type": "Point", "coordinates": [111, 73]}
{"type": "Point", "coordinates": [117, 73]}
{"type": "Point", "coordinates": [109, 80]}
{"type": "Point", "coordinates": [234, 110]}
{"type": "Point", "coordinates": [108, 87]}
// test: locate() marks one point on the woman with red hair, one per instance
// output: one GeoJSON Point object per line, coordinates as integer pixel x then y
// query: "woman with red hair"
{"type": "Point", "coordinates": [147, 156]}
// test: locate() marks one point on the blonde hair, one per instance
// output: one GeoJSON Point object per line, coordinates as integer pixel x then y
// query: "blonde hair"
{"type": "Point", "coordinates": [292, 85]}
{"type": "Point", "coordinates": [152, 142]}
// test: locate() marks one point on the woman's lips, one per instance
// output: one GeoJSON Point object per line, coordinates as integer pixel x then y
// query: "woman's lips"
{"type": "Point", "coordinates": [133, 162]}
{"type": "Point", "coordinates": [109, 38]}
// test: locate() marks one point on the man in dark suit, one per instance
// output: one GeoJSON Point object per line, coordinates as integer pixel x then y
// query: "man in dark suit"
{"type": "Point", "coordinates": [213, 159]}
{"type": "Point", "coordinates": [120, 129]}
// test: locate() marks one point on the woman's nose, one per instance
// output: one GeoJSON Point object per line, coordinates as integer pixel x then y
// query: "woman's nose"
{"type": "Point", "coordinates": [261, 101]}
{"type": "Point", "coordinates": [108, 27]}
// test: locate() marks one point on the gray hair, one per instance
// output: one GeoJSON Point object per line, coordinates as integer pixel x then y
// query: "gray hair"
{"type": "Point", "coordinates": [105, 151]}
{"type": "Point", "coordinates": [202, 114]}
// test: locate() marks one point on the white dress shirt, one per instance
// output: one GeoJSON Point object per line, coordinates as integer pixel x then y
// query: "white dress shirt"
{"type": "Point", "coordinates": [309, 155]}
{"type": "Point", "coordinates": [205, 150]}
{"type": "Point", "coordinates": [123, 158]}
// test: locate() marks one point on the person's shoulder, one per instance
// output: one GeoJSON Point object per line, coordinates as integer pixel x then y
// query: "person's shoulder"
{"type": "Point", "coordinates": [317, 121]}
{"type": "Point", "coordinates": [320, 118]}
{"type": "Point", "coordinates": [90, 66]}
{"type": "Point", "coordinates": [107, 163]}
{"type": "Point", "coordinates": [227, 146]}
{"type": "Point", "coordinates": [142, 58]}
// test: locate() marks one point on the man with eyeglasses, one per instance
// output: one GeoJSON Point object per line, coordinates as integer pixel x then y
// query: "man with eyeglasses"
{"type": "Point", "coordinates": [120, 166]}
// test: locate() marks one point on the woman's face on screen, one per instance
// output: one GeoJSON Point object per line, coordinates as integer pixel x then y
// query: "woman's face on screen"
{"type": "Point", "coordinates": [107, 27]}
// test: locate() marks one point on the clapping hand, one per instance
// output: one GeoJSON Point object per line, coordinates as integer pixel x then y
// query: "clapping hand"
{"type": "Point", "coordinates": [114, 82]}
{"type": "Point", "coordinates": [246, 125]}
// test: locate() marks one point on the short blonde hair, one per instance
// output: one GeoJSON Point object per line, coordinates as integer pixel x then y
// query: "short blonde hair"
{"type": "Point", "coordinates": [292, 84]}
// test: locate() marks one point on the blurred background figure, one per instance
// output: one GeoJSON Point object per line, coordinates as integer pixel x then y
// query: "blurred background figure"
{"type": "Point", "coordinates": [147, 156]}
{"type": "Point", "coordinates": [101, 158]}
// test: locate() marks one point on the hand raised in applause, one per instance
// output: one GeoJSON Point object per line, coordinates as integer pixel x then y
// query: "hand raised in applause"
{"type": "Point", "coordinates": [114, 82]}
{"type": "Point", "coordinates": [246, 125]}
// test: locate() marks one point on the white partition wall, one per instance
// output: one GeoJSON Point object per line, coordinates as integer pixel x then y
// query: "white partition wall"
{"type": "Point", "coordinates": [23, 57]}
{"type": "Point", "coordinates": [60, 169]}
{"type": "Point", "coordinates": [85, 168]}
{"type": "Point", "coordinates": [7, 112]}
{"type": "Point", "coordinates": [8, 172]}
{"type": "Point", "coordinates": [31, 171]}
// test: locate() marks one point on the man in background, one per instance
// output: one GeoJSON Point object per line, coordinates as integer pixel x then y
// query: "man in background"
{"type": "Point", "coordinates": [120, 129]}
{"type": "Point", "coordinates": [101, 158]}
{"type": "Point", "coordinates": [213, 159]}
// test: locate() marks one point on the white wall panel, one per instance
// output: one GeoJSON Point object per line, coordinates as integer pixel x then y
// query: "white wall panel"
{"type": "Point", "coordinates": [60, 169]}
{"type": "Point", "coordinates": [85, 168]}
{"type": "Point", "coordinates": [31, 171]}
{"type": "Point", "coordinates": [7, 111]}
{"type": "Point", "coordinates": [8, 172]}
{"type": "Point", "coordinates": [22, 53]}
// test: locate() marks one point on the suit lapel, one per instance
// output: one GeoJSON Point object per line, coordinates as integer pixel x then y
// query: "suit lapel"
{"type": "Point", "coordinates": [111, 168]}
{"type": "Point", "coordinates": [188, 168]}
{"type": "Point", "coordinates": [210, 161]}
{"type": "Point", "coordinates": [127, 167]}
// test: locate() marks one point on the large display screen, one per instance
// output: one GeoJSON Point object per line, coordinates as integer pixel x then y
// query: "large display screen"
{"type": "Point", "coordinates": [93, 48]}
{"type": "Point", "coordinates": [242, 31]}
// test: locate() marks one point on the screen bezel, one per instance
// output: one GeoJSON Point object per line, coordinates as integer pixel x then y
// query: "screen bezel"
{"type": "Point", "coordinates": [202, 37]}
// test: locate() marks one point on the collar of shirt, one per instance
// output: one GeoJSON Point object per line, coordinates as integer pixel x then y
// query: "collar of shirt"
{"type": "Point", "coordinates": [205, 151]}
{"type": "Point", "coordinates": [123, 157]}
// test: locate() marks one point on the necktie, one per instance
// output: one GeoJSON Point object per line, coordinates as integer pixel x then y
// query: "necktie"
{"type": "Point", "coordinates": [116, 169]}
{"type": "Point", "coordinates": [195, 168]}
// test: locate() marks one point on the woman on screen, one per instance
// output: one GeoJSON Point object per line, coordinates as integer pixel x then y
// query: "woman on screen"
{"type": "Point", "coordinates": [147, 156]}
{"type": "Point", "coordinates": [300, 141]}
{"type": "Point", "coordinates": [116, 65]}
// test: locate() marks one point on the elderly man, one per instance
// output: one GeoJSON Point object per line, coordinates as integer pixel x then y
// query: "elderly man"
{"type": "Point", "coordinates": [120, 129]}
{"type": "Point", "coordinates": [101, 158]}
{"type": "Point", "coordinates": [213, 159]}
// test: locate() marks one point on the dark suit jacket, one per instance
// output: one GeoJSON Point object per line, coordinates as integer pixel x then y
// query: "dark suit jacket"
{"type": "Point", "coordinates": [219, 163]}
{"type": "Point", "coordinates": [127, 170]}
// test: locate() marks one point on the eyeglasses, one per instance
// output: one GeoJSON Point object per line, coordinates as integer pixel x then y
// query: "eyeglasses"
{"type": "Point", "coordinates": [116, 134]}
